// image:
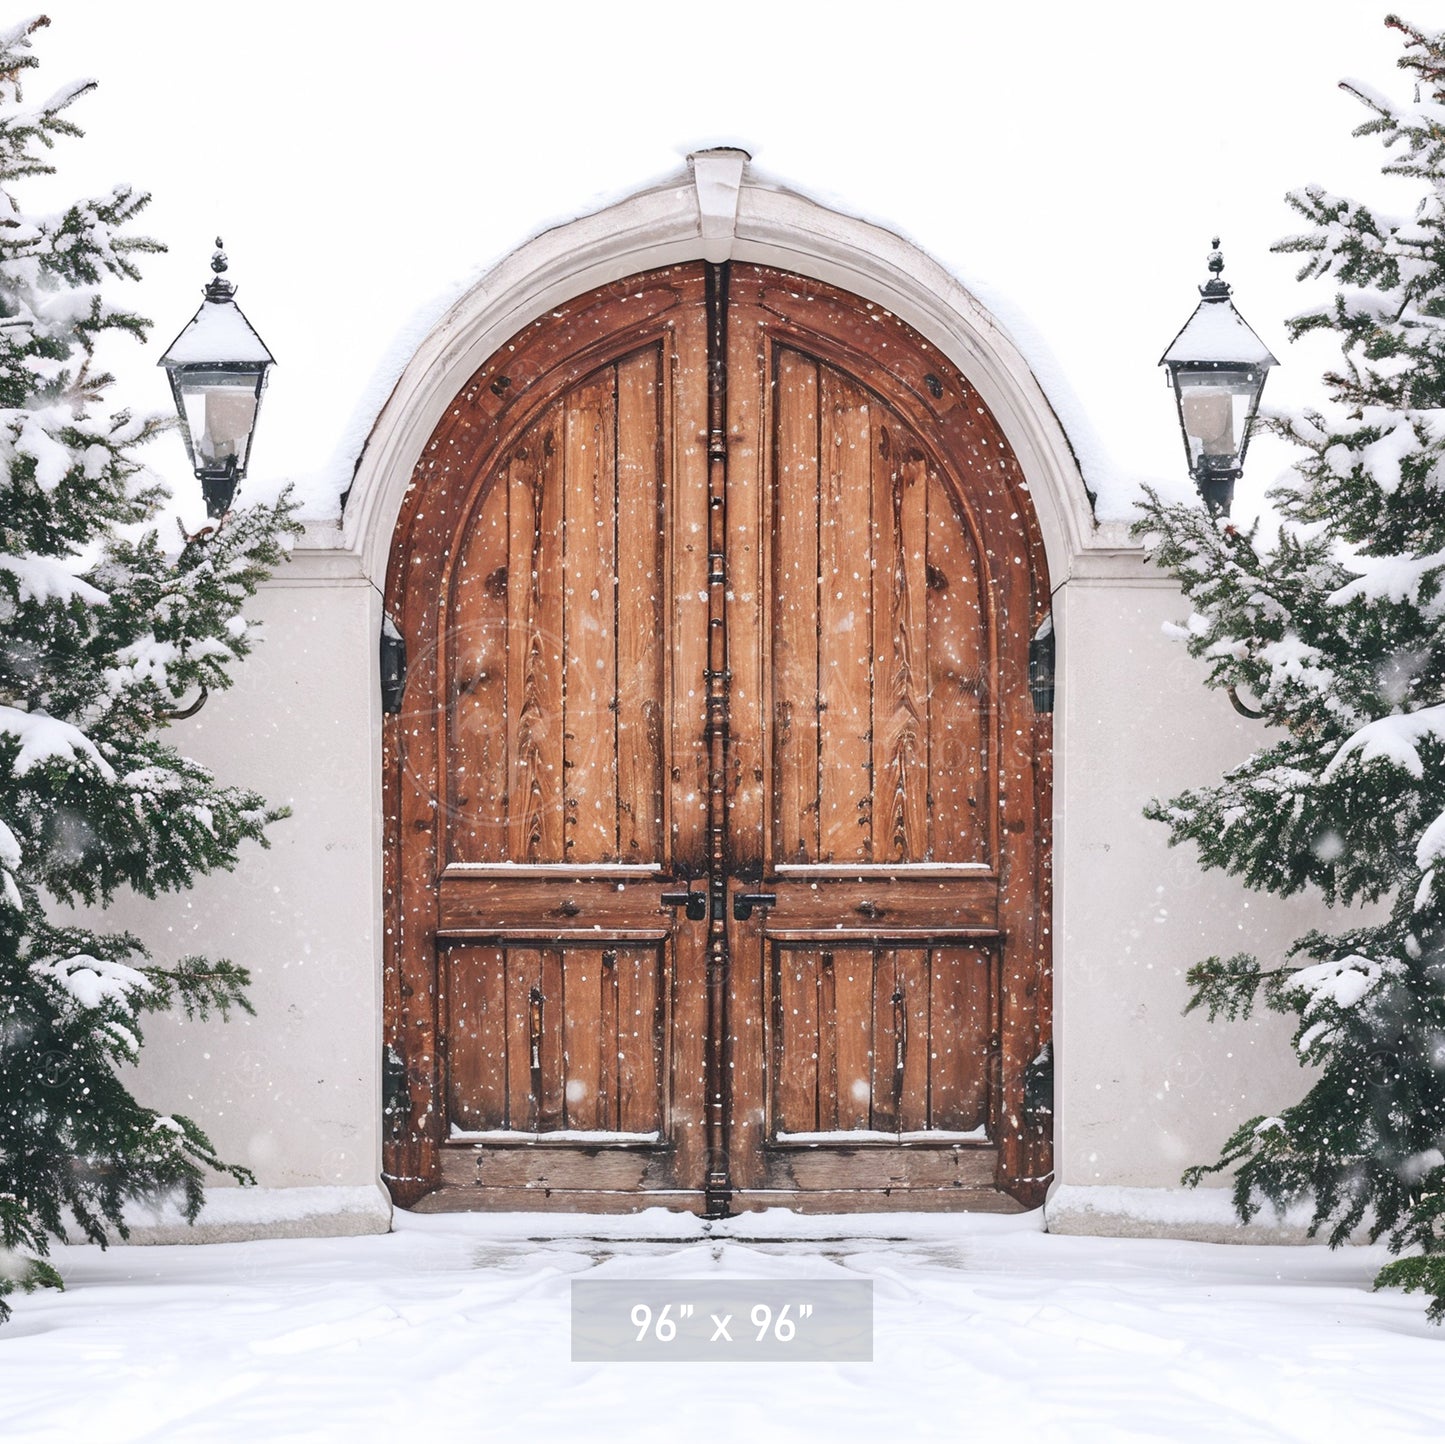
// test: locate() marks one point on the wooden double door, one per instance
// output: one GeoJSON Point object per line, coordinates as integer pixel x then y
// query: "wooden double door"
{"type": "Point", "coordinates": [716, 806]}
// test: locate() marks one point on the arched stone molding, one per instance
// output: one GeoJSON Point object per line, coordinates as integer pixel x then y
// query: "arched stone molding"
{"type": "Point", "coordinates": [717, 211]}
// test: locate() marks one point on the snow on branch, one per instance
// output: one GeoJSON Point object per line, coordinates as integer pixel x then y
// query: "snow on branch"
{"type": "Point", "coordinates": [1431, 847]}
{"type": "Point", "coordinates": [45, 739]}
{"type": "Point", "coordinates": [1340, 981]}
{"type": "Point", "coordinates": [42, 579]}
{"type": "Point", "coordinates": [92, 982]}
{"type": "Point", "coordinates": [1392, 739]}
{"type": "Point", "coordinates": [1394, 579]}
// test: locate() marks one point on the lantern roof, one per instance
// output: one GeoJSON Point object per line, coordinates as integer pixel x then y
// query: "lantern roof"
{"type": "Point", "coordinates": [219, 332]}
{"type": "Point", "coordinates": [1216, 334]}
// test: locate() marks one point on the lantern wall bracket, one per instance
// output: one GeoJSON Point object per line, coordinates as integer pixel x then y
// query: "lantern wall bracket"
{"type": "Point", "coordinates": [184, 712]}
{"type": "Point", "coordinates": [1241, 708]}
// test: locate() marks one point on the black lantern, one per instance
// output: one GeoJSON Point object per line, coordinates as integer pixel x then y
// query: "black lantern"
{"type": "Point", "coordinates": [217, 368]}
{"type": "Point", "coordinates": [1218, 366]}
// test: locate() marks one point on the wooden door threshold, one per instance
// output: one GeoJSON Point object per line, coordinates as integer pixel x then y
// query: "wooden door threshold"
{"type": "Point", "coordinates": [612, 1180]}
{"type": "Point", "coordinates": [543, 1200]}
{"type": "Point", "coordinates": [601, 1201]}
{"type": "Point", "coordinates": [879, 1200]}
{"type": "Point", "coordinates": [540, 1199]}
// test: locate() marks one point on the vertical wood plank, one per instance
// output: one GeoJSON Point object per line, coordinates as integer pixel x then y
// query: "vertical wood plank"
{"type": "Point", "coordinates": [524, 972]}
{"type": "Point", "coordinates": [589, 568]}
{"type": "Point", "coordinates": [912, 511]}
{"type": "Point", "coordinates": [845, 631]}
{"type": "Point", "coordinates": [476, 1038]}
{"type": "Point", "coordinates": [958, 786]}
{"type": "Point", "coordinates": [795, 610]}
{"type": "Point", "coordinates": [639, 1040]}
{"type": "Point", "coordinates": [477, 673]}
{"type": "Point", "coordinates": [796, 1061]}
{"type": "Point", "coordinates": [607, 1043]}
{"type": "Point", "coordinates": [853, 970]}
{"type": "Point", "coordinates": [552, 1110]}
{"type": "Point", "coordinates": [911, 978]}
{"type": "Point", "coordinates": [686, 503]}
{"type": "Point", "coordinates": [887, 1096]}
{"type": "Point", "coordinates": [535, 660]}
{"type": "Point", "coordinates": [827, 1042]}
{"type": "Point", "coordinates": [640, 611]}
{"type": "Point", "coordinates": [744, 1052]}
{"type": "Point", "coordinates": [962, 1023]}
{"type": "Point", "coordinates": [900, 648]}
{"type": "Point", "coordinates": [582, 988]}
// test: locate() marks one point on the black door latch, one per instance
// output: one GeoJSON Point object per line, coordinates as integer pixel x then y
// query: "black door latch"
{"type": "Point", "coordinates": [694, 902]}
{"type": "Point", "coordinates": [745, 902]}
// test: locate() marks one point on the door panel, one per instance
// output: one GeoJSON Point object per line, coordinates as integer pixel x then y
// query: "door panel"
{"type": "Point", "coordinates": [879, 751]}
{"type": "Point", "coordinates": [582, 536]}
{"type": "Point", "coordinates": [880, 1042]}
{"type": "Point", "coordinates": [555, 1039]}
{"type": "Point", "coordinates": [556, 631]}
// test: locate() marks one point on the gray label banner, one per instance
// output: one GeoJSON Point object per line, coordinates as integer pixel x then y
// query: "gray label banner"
{"type": "Point", "coordinates": [805, 1321]}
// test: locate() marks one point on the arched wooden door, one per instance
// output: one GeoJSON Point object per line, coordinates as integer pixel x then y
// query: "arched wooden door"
{"type": "Point", "coordinates": [717, 809]}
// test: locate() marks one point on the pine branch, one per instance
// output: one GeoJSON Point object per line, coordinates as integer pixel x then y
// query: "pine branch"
{"type": "Point", "coordinates": [202, 986]}
{"type": "Point", "coordinates": [1418, 1275]}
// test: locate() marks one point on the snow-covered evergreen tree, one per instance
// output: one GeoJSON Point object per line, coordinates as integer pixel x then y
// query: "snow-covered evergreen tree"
{"type": "Point", "coordinates": [1337, 628]}
{"type": "Point", "coordinates": [103, 638]}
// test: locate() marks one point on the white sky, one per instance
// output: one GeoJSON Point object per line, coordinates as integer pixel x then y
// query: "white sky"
{"type": "Point", "coordinates": [1068, 162]}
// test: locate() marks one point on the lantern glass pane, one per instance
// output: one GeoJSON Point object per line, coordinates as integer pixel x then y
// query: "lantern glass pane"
{"type": "Point", "coordinates": [220, 414]}
{"type": "Point", "coordinates": [1215, 407]}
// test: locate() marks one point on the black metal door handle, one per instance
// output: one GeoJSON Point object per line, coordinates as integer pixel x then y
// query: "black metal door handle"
{"type": "Point", "coordinates": [694, 902]}
{"type": "Point", "coordinates": [745, 902]}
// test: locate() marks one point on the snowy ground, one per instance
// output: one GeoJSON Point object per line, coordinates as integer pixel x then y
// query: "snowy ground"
{"type": "Point", "coordinates": [457, 1328]}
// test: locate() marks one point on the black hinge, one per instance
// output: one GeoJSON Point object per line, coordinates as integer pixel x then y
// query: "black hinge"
{"type": "Point", "coordinates": [1041, 666]}
{"type": "Point", "coordinates": [1039, 1085]}
{"type": "Point", "coordinates": [393, 665]}
{"type": "Point", "coordinates": [395, 1095]}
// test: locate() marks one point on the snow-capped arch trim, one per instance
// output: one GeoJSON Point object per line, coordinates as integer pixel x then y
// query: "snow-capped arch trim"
{"type": "Point", "coordinates": [719, 210]}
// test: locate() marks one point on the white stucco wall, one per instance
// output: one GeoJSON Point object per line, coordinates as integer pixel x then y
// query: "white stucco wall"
{"type": "Point", "coordinates": [1144, 1092]}
{"type": "Point", "coordinates": [294, 1092]}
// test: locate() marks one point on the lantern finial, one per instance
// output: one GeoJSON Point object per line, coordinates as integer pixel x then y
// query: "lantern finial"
{"type": "Point", "coordinates": [1216, 288]}
{"type": "Point", "coordinates": [219, 289]}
